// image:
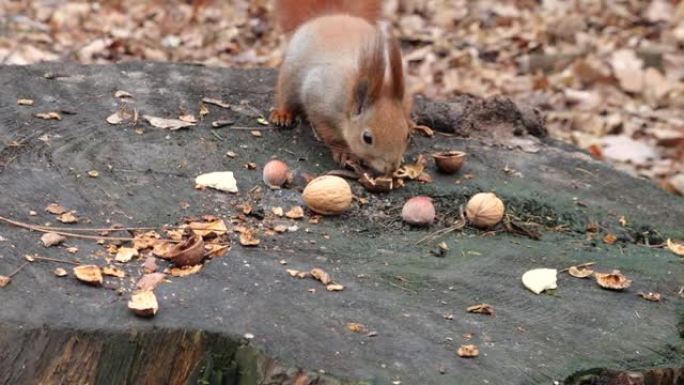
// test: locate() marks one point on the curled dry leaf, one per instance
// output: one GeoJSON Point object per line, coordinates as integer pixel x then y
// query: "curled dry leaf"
{"type": "Point", "coordinates": [482, 308]}
{"type": "Point", "coordinates": [580, 271]}
{"type": "Point", "coordinates": [90, 274]}
{"type": "Point", "coordinates": [60, 272]}
{"type": "Point", "coordinates": [150, 264]}
{"type": "Point", "coordinates": [188, 118]}
{"type": "Point", "coordinates": [49, 115]}
{"type": "Point", "coordinates": [113, 272]}
{"type": "Point", "coordinates": [334, 287]}
{"type": "Point", "coordinates": [220, 180]}
{"type": "Point", "coordinates": [185, 270]}
{"type": "Point", "coordinates": [189, 252]}
{"type": "Point", "coordinates": [677, 248]}
{"type": "Point", "coordinates": [538, 280]}
{"type": "Point", "coordinates": [5, 280]}
{"type": "Point", "coordinates": [52, 239]}
{"type": "Point", "coordinates": [612, 281]}
{"type": "Point", "coordinates": [122, 94]}
{"type": "Point", "coordinates": [56, 209]}
{"type": "Point", "coordinates": [170, 124]}
{"type": "Point", "coordinates": [468, 351]}
{"type": "Point", "coordinates": [651, 296]}
{"type": "Point", "coordinates": [68, 218]}
{"type": "Point", "coordinates": [149, 282]}
{"type": "Point", "coordinates": [296, 212]}
{"type": "Point", "coordinates": [144, 304]}
{"type": "Point", "coordinates": [248, 239]}
{"type": "Point", "coordinates": [321, 275]}
{"type": "Point", "coordinates": [25, 102]}
{"type": "Point", "coordinates": [123, 115]}
{"type": "Point", "coordinates": [125, 254]}
{"type": "Point", "coordinates": [298, 274]}
{"type": "Point", "coordinates": [609, 239]}
{"type": "Point", "coordinates": [356, 327]}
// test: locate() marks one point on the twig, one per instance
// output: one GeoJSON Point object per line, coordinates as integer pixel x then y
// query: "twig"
{"type": "Point", "coordinates": [12, 274]}
{"type": "Point", "coordinates": [48, 259]}
{"type": "Point", "coordinates": [580, 265]}
{"type": "Point", "coordinates": [67, 234]}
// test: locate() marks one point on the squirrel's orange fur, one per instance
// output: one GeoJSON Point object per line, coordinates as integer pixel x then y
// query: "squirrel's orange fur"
{"type": "Point", "coordinates": [345, 73]}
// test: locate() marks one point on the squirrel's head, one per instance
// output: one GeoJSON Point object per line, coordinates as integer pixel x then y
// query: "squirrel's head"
{"type": "Point", "coordinates": [378, 131]}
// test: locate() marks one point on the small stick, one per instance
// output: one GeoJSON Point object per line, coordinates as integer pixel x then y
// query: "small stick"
{"type": "Point", "coordinates": [48, 259]}
{"type": "Point", "coordinates": [580, 265]}
{"type": "Point", "coordinates": [12, 274]}
{"type": "Point", "coordinates": [67, 234]}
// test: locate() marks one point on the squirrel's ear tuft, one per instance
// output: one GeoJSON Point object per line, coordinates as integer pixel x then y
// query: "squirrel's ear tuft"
{"type": "Point", "coordinates": [371, 74]}
{"type": "Point", "coordinates": [396, 69]}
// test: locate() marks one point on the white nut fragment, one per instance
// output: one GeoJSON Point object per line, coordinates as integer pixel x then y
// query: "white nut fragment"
{"type": "Point", "coordinates": [220, 180]}
{"type": "Point", "coordinates": [538, 280]}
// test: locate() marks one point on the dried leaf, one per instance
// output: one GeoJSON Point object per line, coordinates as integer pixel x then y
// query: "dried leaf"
{"type": "Point", "coordinates": [122, 94]}
{"type": "Point", "coordinates": [356, 327]}
{"type": "Point", "coordinates": [5, 280]}
{"type": "Point", "coordinates": [321, 275]}
{"type": "Point", "coordinates": [68, 218]}
{"type": "Point", "coordinates": [677, 248]}
{"type": "Point", "coordinates": [188, 118]}
{"type": "Point", "coordinates": [612, 281]}
{"type": "Point", "coordinates": [54, 208]}
{"type": "Point", "coordinates": [185, 270]}
{"type": "Point", "coordinates": [248, 239]}
{"type": "Point", "coordinates": [113, 272]}
{"type": "Point", "coordinates": [651, 296]}
{"type": "Point", "coordinates": [482, 308]}
{"type": "Point", "coordinates": [123, 115]}
{"type": "Point", "coordinates": [150, 281]}
{"type": "Point", "coordinates": [580, 271]}
{"type": "Point", "coordinates": [217, 102]}
{"type": "Point", "coordinates": [609, 239]}
{"type": "Point", "coordinates": [468, 351]}
{"type": "Point", "coordinates": [90, 274]}
{"type": "Point", "coordinates": [170, 124]}
{"type": "Point", "coordinates": [256, 133]}
{"type": "Point", "coordinates": [59, 272]}
{"type": "Point", "coordinates": [52, 239]}
{"type": "Point", "coordinates": [298, 274]}
{"type": "Point", "coordinates": [628, 70]}
{"type": "Point", "coordinates": [208, 229]}
{"type": "Point", "coordinates": [25, 102]}
{"type": "Point", "coordinates": [125, 254]}
{"type": "Point", "coordinates": [334, 287]}
{"type": "Point", "coordinates": [49, 115]}
{"type": "Point", "coordinates": [296, 212]}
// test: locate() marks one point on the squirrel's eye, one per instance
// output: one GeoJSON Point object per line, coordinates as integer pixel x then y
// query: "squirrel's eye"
{"type": "Point", "coordinates": [367, 137]}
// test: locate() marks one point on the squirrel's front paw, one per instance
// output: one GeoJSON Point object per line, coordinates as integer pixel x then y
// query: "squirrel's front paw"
{"type": "Point", "coordinates": [345, 158]}
{"type": "Point", "coordinates": [282, 117]}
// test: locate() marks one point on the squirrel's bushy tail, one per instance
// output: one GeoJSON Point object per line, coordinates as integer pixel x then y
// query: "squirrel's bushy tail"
{"type": "Point", "coordinates": [293, 13]}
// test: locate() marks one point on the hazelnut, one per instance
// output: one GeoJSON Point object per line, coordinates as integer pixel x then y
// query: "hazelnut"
{"type": "Point", "coordinates": [449, 162]}
{"type": "Point", "coordinates": [328, 195]}
{"type": "Point", "coordinates": [418, 211]}
{"type": "Point", "coordinates": [276, 173]}
{"type": "Point", "coordinates": [484, 210]}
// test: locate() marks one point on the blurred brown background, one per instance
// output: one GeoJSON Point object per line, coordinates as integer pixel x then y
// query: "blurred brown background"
{"type": "Point", "coordinates": [609, 74]}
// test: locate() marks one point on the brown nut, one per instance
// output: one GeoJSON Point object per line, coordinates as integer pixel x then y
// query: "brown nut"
{"type": "Point", "coordinates": [276, 173]}
{"type": "Point", "coordinates": [328, 195]}
{"type": "Point", "coordinates": [188, 253]}
{"type": "Point", "coordinates": [449, 162]}
{"type": "Point", "coordinates": [418, 211]}
{"type": "Point", "coordinates": [484, 210]}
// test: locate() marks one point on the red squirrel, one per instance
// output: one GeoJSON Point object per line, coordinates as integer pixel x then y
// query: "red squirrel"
{"type": "Point", "coordinates": [344, 72]}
